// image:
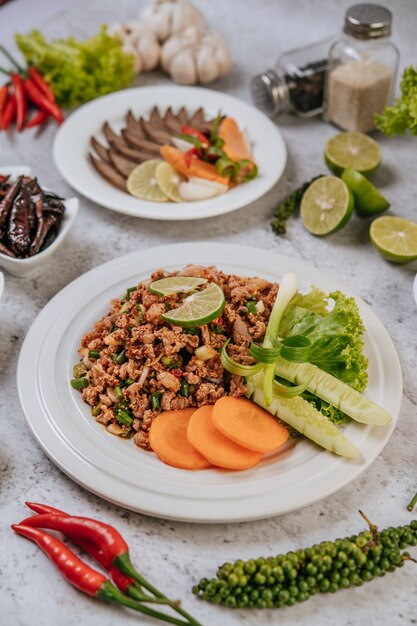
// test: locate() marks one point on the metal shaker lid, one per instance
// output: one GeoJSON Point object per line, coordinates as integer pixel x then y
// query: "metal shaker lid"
{"type": "Point", "coordinates": [368, 21]}
{"type": "Point", "coordinates": [270, 93]}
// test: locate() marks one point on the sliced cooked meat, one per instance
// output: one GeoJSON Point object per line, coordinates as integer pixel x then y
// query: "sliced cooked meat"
{"type": "Point", "coordinates": [108, 173]}
{"type": "Point", "coordinates": [122, 165]}
{"type": "Point", "coordinates": [197, 118]}
{"type": "Point", "coordinates": [154, 134]}
{"type": "Point", "coordinates": [101, 151]}
{"type": "Point", "coordinates": [130, 153]}
{"type": "Point", "coordinates": [205, 126]}
{"type": "Point", "coordinates": [109, 133]}
{"type": "Point", "coordinates": [182, 116]}
{"type": "Point", "coordinates": [171, 121]}
{"type": "Point", "coordinates": [133, 124]}
{"type": "Point", "coordinates": [156, 120]}
{"type": "Point", "coordinates": [137, 142]}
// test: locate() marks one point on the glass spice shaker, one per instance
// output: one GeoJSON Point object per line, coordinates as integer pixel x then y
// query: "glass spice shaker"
{"type": "Point", "coordinates": [296, 83]}
{"type": "Point", "coordinates": [363, 69]}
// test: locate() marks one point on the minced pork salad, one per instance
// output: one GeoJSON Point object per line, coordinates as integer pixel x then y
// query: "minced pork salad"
{"type": "Point", "coordinates": [135, 364]}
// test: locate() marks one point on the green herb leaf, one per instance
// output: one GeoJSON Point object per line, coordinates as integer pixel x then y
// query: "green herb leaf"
{"type": "Point", "coordinates": [397, 119]}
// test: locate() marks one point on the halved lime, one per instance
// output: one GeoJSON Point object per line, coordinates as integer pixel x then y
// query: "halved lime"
{"type": "Point", "coordinates": [368, 200]}
{"type": "Point", "coordinates": [326, 205]}
{"type": "Point", "coordinates": [142, 182]}
{"type": "Point", "coordinates": [199, 308]}
{"type": "Point", "coordinates": [354, 150]}
{"type": "Point", "coordinates": [176, 284]}
{"type": "Point", "coordinates": [168, 180]}
{"type": "Point", "coordinates": [395, 238]}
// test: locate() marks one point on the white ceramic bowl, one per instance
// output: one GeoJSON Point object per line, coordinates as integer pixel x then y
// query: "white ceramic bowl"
{"type": "Point", "coordinates": [24, 267]}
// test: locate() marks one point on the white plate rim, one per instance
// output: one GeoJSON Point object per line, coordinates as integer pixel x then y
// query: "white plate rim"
{"type": "Point", "coordinates": [271, 156]}
{"type": "Point", "coordinates": [196, 510]}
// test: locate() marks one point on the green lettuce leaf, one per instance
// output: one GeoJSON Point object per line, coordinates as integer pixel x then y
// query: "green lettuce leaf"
{"type": "Point", "coordinates": [397, 119]}
{"type": "Point", "coordinates": [336, 333]}
{"type": "Point", "coordinates": [79, 71]}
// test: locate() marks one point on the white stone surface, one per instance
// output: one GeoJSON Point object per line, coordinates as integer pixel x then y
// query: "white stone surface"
{"type": "Point", "coordinates": [176, 555]}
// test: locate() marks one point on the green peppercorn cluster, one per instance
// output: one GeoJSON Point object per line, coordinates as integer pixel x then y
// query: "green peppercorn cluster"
{"type": "Point", "coordinates": [294, 577]}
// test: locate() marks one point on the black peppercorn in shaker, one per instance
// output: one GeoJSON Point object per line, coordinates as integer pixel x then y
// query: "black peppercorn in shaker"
{"type": "Point", "coordinates": [296, 83]}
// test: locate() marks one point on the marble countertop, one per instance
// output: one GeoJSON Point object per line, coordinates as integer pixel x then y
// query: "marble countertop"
{"type": "Point", "coordinates": [175, 555]}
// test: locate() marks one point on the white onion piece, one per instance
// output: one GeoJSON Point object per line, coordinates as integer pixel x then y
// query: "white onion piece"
{"type": "Point", "coordinates": [193, 191]}
{"type": "Point", "coordinates": [211, 184]}
{"type": "Point", "coordinates": [182, 145]}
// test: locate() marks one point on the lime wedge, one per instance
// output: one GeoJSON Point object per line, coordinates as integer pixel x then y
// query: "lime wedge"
{"type": "Point", "coordinates": [168, 180]}
{"type": "Point", "coordinates": [199, 308]}
{"type": "Point", "coordinates": [142, 182]}
{"type": "Point", "coordinates": [326, 205]}
{"type": "Point", "coordinates": [395, 238]}
{"type": "Point", "coordinates": [368, 200]}
{"type": "Point", "coordinates": [176, 284]}
{"type": "Point", "coordinates": [354, 150]}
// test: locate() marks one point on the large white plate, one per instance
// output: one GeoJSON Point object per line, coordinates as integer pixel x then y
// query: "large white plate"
{"type": "Point", "coordinates": [117, 470]}
{"type": "Point", "coordinates": [72, 144]}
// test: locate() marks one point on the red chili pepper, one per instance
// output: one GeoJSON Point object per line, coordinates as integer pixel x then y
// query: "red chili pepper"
{"type": "Point", "coordinates": [9, 112]}
{"type": "Point", "coordinates": [81, 575]}
{"type": "Point", "coordinates": [194, 132]}
{"type": "Point", "coordinates": [38, 119]}
{"type": "Point", "coordinates": [4, 94]}
{"type": "Point", "coordinates": [21, 105]}
{"type": "Point", "coordinates": [39, 98]}
{"type": "Point", "coordinates": [41, 83]}
{"type": "Point", "coordinates": [105, 544]}
{"type": "Point", "coordinates": [189, 154]}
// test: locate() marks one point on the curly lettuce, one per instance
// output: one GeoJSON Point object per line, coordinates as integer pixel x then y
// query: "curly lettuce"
{"type": "Point", "coordinates": [397, 119]}
{"type": "Point", "coordinates": [336, 333]}
{"type": "Point", "coordinates": [79, 71]}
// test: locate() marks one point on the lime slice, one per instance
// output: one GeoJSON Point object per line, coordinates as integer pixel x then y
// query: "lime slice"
{"type": "Point", "coordinates": [395, 238]}
{"type": "Point", "coordinates": [354, 150]}
{"type": "Point", "coordinates": [168, 180]}
{"type": "Point", "coordinates": [368, 200]}
{"type": "Point", "coordinates": [326, 205]}
{"type": "Point", "coordinates": [142, 182]}
{"type": "Point", "coordinates": [176, 284]}
{"type": "Point", "coordinates": [199, 308]}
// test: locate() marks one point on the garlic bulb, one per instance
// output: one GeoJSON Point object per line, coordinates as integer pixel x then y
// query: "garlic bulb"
{"type": "Point", "coordinates": [141, 42]}
{"type": "Point", "coordinates": [168, 17]}
{"type": "Point", "coordinates": [194, 57]}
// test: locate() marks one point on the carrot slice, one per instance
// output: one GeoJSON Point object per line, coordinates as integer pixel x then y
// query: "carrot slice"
{"type": "Point", "coordinates": [234, 140]}
{"type": "Point", "coordinates": [168, 439]}
{"type": "Point", "coordinates": [248, 424]}
{"type": "Point", "coordinates": [212, 444]}
{"type": "Point", "coordinates": [197, 167]}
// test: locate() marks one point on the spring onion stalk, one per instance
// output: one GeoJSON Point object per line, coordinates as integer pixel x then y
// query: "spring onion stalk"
{"type": "Point", "coordinates": [412, 504]}
{"type": "Point", "coordinates": [237, 368]}
{"type": "Point", "coordinates": [265, 355]}
{"type": "Point", "coordinates": [296, 348]}
{"type": "Point", "coordinates": [94, 354]}
{"type": "Point", "coordinates": [282, 391]}
{"type": "Point", "coordinates": [79, 383]}
{"type": "Point", "coordinates": [333, 391]}
{"type": "Point", "coordinates": [287, 289]}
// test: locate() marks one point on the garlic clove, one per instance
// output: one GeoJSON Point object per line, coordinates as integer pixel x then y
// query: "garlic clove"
{"type": "Point", "coordinates": [224, 61]}
{"type": "Point", "coordinates": [183, 68]}
{"type": "Point", "coordinates": [206, 64]}
{"type": "Point", "coordinates": [150, 51]}
{"type": "Point", "coordinates": [130, 48]}
{"type": "Point", "coordinates": [185, 14]}
{"type": "Point", "coordinates": [158, 17]}
{"type": "Point", "coordinates": [170, 49]}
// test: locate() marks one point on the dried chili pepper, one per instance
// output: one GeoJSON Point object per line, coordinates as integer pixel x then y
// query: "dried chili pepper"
{"type": "Point", "coordinates": [41, 83]}
{"type": "Point", "coordinates": [39, 98]}
{"type": "Point", "coordinates": [114, 551]}
{"type": "Point", "coordinates": [82, 576]}
{"type": "Point", "coordinates": [21, 104]}
{"type": "Point", "coordinates": [9, 112]}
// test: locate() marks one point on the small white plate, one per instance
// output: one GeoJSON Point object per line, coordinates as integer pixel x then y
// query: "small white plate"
{"type": "Point", "coordinates": [24, 267]}
{"type": "Point", "coordinates": [119, 471]}
{"type": "Point", "coordinates": [1, 284]}
{"type": "Point", "coordinates": [72, 145]}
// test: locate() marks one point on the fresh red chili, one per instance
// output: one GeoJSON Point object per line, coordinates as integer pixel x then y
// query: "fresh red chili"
{"type": "Point", "coordinates": [21, 104]}
{"type": "Point", "coordinates": [41, 83]}
{"type": "Point", "coordinates": [38, 119]}
{"type": "Point", "coordinates": [194, 132]}
{"type": "Point", "coordinates": [37, 97]}
{"type": "Point", "coordinates": [109, 548]}
{"type": "Point", "coordinates": [9, 112]}
{"type": "Point", "coordinates": [82, 576]}
{"type": "Point", "coordinates": [190, 154]}
{"type": "Point", "coordinates": [4, 94]}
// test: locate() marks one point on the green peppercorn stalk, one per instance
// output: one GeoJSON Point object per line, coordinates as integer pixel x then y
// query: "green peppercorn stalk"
{"type": "Point", "coordinates": [294, 577]}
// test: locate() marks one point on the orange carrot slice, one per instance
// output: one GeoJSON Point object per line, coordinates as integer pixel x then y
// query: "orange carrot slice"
{"type": "Point", "coordinates": [168, 439]}
{"type": "Point", "coordinates": [214, 446]}
{"type": "Point", "coordinates": [197, 167]}
{"type": "Point", "coordinates": [234, 140]}
{"type": "Point", "coordinates": [248, 424]}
